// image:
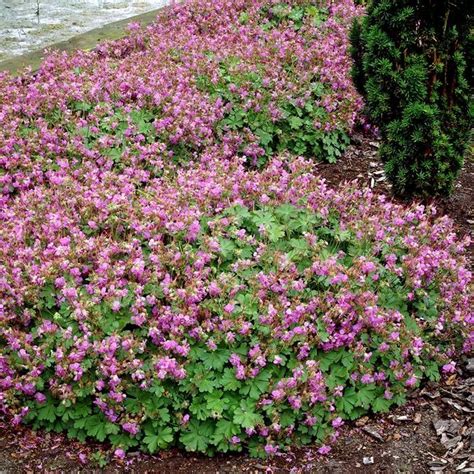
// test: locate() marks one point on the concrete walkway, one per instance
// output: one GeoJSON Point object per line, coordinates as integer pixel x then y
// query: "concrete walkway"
{"type": "Point", "coordinates": [84, 41]}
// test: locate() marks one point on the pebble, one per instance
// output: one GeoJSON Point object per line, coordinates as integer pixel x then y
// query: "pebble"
{"type": "Point", "coordinates": [449, 443]}
{"type": "Point", "coordinates": [362, 421]}
{"type": "Point", "coordinates": [374, 433]}
{"type": "Point", "coordinates": [402, 418]}
{"type": "Point", "coordinates": [448, 426]}
{"type": "Point", "coordinates": [368, 460]}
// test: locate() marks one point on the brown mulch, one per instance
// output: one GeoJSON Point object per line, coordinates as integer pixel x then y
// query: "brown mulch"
{"type": "Point", "coordinates": [404, 440]}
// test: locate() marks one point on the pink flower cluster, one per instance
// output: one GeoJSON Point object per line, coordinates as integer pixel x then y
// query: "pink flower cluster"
{"type": "Point", "coordinates": [108, 277]}
{"type": "Point", "coordinates": [67, 118]}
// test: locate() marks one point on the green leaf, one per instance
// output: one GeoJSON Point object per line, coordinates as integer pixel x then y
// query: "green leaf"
{"type": "Point", "coordinates": [215, 359]}
{"type": "Point", "coordinates": [225, 429]}
{"type": "Point", "coordinates": [204, 381]}
{"type": "Point", "coordinates": [97, 431]}
{"type": "Point", "coordinates": [275, 232]}
{"type": "Point", "coordinates": [347, 402]}
{"type": "Point", "coordinates": [287, 418]}
{"type": "Point", "coordinates": [366, 395]}
{"type": "Point", "coordinates": [286, 212]}
{"type": "Point", "coordinates": [161, 440]}
{"type": "Point", "coordinates": [347, 360]}
{"type": "Point", "coordinates": [199, 408]}
{"type": "Point", "coordinates": [216, 403]}
{"type": "Point", "coordinates": [432, 371]}
{"type": "Point", "coordinates": [246, 416]}
{"type": "Point", "coordinates": [228, 380]}
{"type": "Point", "coordinates": [197, 436]}
{"type": "Point", "coordinates": [227, 248]}
{"type": "Point", "coordinates": [328, 359]}
{"type": "Point", "coordinates": [256, 386]}
{"type": "Point", "coordinates": [295, 122]}
{"type": "Point", "coordinates": [123, 440]}
{"type": "Point", "coordinates": [263, 217]}
{"type": "Point", "coordinates": [47, 412]}
{"type": "Point", "coordinates": [381, 405]}
{"type": "Point", "coordinates": [265, 137]}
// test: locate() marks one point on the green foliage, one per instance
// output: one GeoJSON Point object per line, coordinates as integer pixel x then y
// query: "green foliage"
{"type": "Point", "coordinates": [302, 127]}
{"type": "Point", "coordinates": [296, 14]}
{"type": "Point", "coordinates": [412, 63]}
{"type": "Point", "coordinates": [213, 405]}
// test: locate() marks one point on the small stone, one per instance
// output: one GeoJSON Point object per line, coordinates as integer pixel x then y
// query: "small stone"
{"type": "Point", "coordinates": [374, 433]}
{"type": "Point", "coordinates": [417, 418]}
{"type": "Point", "coordinates": [368, 460]}
{"type": "Point", "coordinates": [402, 418]}
{"type": "Point", "coordinates": [374, 144]}
{"type": "Point", "coordinates": [362, 421]}
{"type": "Point", "coordinates": [457, 449]}
{"type": "Point", "coordinates": [432, 395]}
{"type": "Point", "coordinates": [448, 426]}
{"type": "Point", "coordinates": [452, 379]}
{"type": "Point", "coordinates": [457, 406]}
{"type": "Point", "coordinates": [449, 443]}
{"type": "Point", "coordinates": [470, 366]}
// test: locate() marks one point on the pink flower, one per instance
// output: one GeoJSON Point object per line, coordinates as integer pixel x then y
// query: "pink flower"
{"type": "Point", "coordinates": [119, 454]}
{"type": "Point", "coordinates": [324, 450]}
{"type": "Point", "coordinates": [40, 397]}
{"type": "Point", "coordinates": [449, 368]}
{"type": "Point", "coordinates": [270, 449]}
{"type": "Point", "coordinates": [337, 422]}
{"type": "Point", "coordinates": [131, 428]}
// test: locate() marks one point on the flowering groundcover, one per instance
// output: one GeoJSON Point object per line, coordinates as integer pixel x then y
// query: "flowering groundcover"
{"type": "Point", "coordinates": [172, 269]}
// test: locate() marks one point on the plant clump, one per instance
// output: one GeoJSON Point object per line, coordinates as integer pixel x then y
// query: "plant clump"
{"type": "Point", "coordinates": [219, 309]}
{"type": "Point", "coordinates": [203, 73]}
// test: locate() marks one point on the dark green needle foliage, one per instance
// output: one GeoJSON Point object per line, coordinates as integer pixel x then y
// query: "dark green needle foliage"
{"type": "Point", "coordinates": [413, 64]}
